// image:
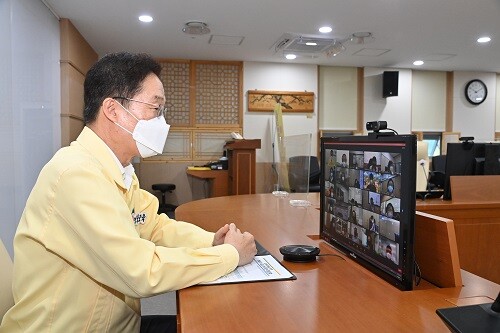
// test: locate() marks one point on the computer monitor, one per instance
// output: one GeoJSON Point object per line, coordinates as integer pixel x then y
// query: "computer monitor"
{"type": "Point", "coordinates": [469, 159]}
{"type": "Point", "coordinates": [367, 205]}
{"type": "Point", "coordinates": [492, 159]}
{"type": "Point", "coordinates": [460, 161]}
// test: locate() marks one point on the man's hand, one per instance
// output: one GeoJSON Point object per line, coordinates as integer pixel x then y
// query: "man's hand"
{"type": "Point", "coordinates": [243, 242]}
{"type": "Point", "coordinates": [220, 235]}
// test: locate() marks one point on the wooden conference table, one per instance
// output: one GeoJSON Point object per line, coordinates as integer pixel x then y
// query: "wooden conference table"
{"type": "Point", "coordinates": [329, 295]}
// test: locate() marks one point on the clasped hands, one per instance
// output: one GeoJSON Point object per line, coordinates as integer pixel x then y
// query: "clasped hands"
{"type": "Point", "coordinates": [243, 242]}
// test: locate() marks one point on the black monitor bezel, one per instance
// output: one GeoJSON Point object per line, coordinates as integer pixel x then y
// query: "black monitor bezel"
{"type": "Point", "coordinates": [460, 161]}
{"type": "Point", "coordinates": [408, 202]}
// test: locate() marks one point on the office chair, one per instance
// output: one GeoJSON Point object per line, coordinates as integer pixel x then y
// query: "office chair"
{"type": "Point", "coordinates": [297, 174]}
{"type": "Point", "coordinates": [438, 168]}
{"type": "Point", "coordinates": [165, 207]}
{"type": "Point", "coordinates": [6, 298]}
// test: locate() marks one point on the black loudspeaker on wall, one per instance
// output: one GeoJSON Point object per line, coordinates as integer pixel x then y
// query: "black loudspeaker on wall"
{"type": "Point", "coordinates": [390, 84]}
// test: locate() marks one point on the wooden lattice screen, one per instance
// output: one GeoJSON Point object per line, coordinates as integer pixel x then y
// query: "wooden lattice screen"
{"type": "Point", "coordinates": [204, 105]}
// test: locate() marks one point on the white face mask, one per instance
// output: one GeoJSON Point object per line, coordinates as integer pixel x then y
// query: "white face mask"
{"type": "Point", "coordinates": [149, 135]}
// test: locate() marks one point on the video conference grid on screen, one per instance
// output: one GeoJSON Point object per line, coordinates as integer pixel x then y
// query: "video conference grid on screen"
{"type": "Point", "coordinates": [362, 202]}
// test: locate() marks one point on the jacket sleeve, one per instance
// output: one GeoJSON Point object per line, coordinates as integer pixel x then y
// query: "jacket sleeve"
{"type": "Point", "coordinates": [91, 227]}
{"type": "Point", "coordinates": [163, 231]}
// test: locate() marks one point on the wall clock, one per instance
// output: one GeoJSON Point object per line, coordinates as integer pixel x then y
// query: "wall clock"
{"type": "Point", "coordinates": [476, 91]}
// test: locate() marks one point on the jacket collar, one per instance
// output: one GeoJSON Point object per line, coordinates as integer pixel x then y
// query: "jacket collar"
{"type": "Point", "coordinates": [98, 148]}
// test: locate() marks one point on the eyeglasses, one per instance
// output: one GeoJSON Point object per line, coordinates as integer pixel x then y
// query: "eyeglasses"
{"type": "Point", "coordinates": [161, 110]}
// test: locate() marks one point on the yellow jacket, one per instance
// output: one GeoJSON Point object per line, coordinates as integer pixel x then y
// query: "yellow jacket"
{"type": "Point", "coordinates": [81, 262]}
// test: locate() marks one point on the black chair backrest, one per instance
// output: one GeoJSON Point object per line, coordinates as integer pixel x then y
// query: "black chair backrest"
{"type": "Point", "coordinates": [439, 163]}
{"type": "Point", "coordinates": [314, 171]}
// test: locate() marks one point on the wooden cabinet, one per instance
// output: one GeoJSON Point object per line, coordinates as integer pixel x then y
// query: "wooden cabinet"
{"type": "Point", "coordinates": [241, 165]}
{"type": "Point", "coordinates": [216, 178]}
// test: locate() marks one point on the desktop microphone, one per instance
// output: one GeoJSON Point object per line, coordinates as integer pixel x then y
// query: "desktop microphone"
{"type": "Point", "coordinates": [422, 163]}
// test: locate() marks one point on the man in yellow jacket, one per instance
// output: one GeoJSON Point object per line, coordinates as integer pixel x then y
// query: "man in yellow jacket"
{"type": "Point", "coordinates": [90, 243]}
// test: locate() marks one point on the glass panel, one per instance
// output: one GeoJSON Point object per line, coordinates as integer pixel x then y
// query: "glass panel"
{"type": "Point", "coordinates": [293, 171]}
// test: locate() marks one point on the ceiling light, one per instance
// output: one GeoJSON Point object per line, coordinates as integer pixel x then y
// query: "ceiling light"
{"type": "Point", "coordinates": [145, 18]}
{"type": "Point", "coordinates": [311, 44]}
{"type": "Point", "coordinates": [361, 37]}
{"type": "Point", "coordinates": [484, 40]}
{"type": "Point", "coordinates": [290, 56]}
{"type": "Point", "coordinates": [196, 28]}
{"type": "Point", "coordinates": [325, 30]}
{"type": "Point", "coordinates": [418, 62]}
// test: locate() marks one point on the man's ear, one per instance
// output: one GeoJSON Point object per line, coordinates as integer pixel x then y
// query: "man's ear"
{"type": "Point", "coordinates": [108, 108]}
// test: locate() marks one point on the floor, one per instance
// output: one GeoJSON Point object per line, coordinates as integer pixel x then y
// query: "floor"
{"type": "Point", "coordinates": [164, 304]}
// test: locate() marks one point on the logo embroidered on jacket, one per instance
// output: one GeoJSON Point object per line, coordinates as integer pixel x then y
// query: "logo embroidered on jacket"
{"type": "Point", "coordinates": [139, 218]}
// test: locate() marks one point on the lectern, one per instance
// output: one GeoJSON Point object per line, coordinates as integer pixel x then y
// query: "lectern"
{"type": "Point", "coordinates": [241, 165]}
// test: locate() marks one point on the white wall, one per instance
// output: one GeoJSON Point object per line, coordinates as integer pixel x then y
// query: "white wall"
{"type": "Point", "coordinates": [29, 103]}
{"type": "Point", "coordinates": [474, 120]}
{"type": "Point", "coordinates": [478, 121]}
{"type": "Point", "coordinates": [279, 77]}
{"type": "Point", "coordinates": [338, 98]}
{"type": "Point", "coordinates": [428, 109]}
{"type": "Point", "coordinates": [395, 110]}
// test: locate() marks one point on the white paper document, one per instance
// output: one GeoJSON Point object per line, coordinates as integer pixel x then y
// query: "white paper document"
{"type": "Point", "coordinates": [262, 268]}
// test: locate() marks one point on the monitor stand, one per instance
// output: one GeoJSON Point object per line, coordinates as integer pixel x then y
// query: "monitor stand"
{"type": "Point", "coordinates": [472, 318]}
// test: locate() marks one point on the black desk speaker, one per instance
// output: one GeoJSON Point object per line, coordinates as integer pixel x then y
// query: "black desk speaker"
{"type": "Point", "coordinates": [299, 253]}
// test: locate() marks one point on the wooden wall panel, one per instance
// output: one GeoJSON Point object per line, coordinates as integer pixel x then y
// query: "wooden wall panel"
{"type": "Point", "coordinates": [72, 90]}
{"type": "Point", "coordinates": [74, 48]}
{"type": "Point", "coordinates": [77, 56]}
{"type": "Point", "coordinates": [70, 128]}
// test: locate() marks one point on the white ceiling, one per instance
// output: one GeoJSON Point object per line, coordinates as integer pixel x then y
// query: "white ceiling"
{"type": "Point", "coordinates": [411, 30]}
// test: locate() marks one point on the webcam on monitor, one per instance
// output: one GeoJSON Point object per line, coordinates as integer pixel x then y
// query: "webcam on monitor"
{"type": "Point", "coordinates": [466, 139]}
{"type": "Point", "coordinates": [376, 129]}
{"type": "Point", "coordinates": [376, 126]}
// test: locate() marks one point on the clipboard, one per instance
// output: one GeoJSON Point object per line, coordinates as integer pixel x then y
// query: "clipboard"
{"type": "Point", "coordinates": [264, 267]}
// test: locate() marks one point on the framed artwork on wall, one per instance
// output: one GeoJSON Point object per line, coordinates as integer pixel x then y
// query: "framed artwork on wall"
{"type": "Point", "coordinates": [291, 101]}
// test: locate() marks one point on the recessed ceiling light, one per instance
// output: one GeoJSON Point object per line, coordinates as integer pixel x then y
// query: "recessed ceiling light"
{"type": "Point", "coordinates": [290, 56]}
{"type": "Point", "coordinates": [484, 40]}
{"type": "Point", "coordinates": [145, 18]}
{"type": "Point", "coordinates": [311, 44]}
{"type": "Point", "coordinates": [418, 62]}
{"type": "Point", "coordinates": [325, 30]}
